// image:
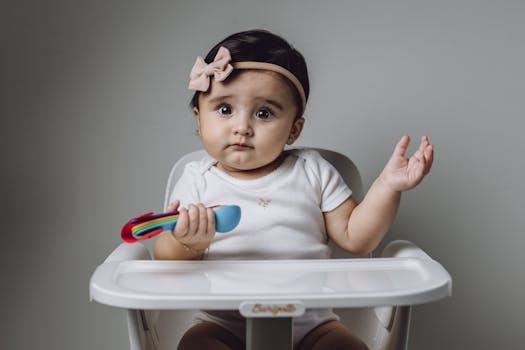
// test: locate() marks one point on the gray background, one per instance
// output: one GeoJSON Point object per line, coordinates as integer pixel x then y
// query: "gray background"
{"type": "Point", "coordinates": [94, 112]}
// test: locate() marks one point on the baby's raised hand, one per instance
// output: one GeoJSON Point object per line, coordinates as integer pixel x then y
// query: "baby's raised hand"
{"type": "Point", "coordinates": [195, 228]}
{"type": "Point", "coordinates": [402, 173]}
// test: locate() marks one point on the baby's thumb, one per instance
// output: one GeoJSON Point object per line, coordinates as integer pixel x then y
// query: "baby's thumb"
{"type": "Point", "coordinates": [173, 206]}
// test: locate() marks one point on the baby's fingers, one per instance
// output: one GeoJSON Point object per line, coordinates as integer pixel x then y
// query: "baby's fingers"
{"type": "Point", "coordinates": [182, 225]}
{"type": "Point", "coordinates": [416, 163]}
{"type": "Point", "coordinates": [203, 219]}
{"type": "Point", "coordinates": [427, 153]}
{"type": "Point", "coordinates": [211, 221]}
{"type": "Point", "coordinates": [429, 158]}
{"type": "Point", "coordinates": [402, 146]}
{"type": "Point", "coordinates": [172, 206]}
{"type": "Point", "coordinates": [424, 143]}
{"type": "Point", "coordinates": [194, 218]}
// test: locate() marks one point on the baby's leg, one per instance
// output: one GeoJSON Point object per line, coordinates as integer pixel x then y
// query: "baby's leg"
{"type": "Point", "coordinates": [331, 335]}
{"type": "Point", "coordinates": [207, 335]}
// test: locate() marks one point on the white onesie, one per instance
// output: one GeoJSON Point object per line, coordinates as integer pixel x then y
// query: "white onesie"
{"type": "Point", "coordinates": [281, 218]}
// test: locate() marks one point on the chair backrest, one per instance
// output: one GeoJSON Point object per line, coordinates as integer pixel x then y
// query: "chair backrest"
{"type": "Point", "coordinates": [342, 163]}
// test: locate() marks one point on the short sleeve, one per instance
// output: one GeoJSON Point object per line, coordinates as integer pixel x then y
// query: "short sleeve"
{"type": "Point", "coordinates": [333, 189]}
{"type": "Point", "coordinates": [188, 187]}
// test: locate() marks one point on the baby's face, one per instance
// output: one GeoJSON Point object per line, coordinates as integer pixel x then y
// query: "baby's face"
{"type": "Point", "coordinates": [245, 122]}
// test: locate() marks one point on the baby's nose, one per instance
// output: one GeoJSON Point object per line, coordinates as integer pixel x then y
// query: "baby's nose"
{"type": "Point", "coordinates": [243, 126]}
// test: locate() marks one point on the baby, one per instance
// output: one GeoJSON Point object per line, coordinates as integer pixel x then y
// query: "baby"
{"type": "Point", "coordinates": [250, 95]}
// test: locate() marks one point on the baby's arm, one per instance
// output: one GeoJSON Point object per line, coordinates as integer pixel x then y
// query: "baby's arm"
{"type": "Point", "coordinates": [359, 228]}
{"type": "Point", "coordinates": [191, 236]}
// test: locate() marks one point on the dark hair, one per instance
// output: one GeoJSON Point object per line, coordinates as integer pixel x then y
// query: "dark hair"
{"type": "Point", "coordinates": [263, 46]}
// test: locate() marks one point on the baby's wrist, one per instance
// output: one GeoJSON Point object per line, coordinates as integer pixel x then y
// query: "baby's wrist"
{"type": "Point", "coordinates": [386, 186]}
{"type": "Point", "coordinates": [193, 249]}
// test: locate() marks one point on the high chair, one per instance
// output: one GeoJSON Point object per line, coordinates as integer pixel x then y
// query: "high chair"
{"type": "Point", "coordinates": [375, 293]}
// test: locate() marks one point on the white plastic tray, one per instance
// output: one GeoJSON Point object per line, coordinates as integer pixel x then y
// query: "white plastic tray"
{"type": "Point", "coordinates": [140, 284]}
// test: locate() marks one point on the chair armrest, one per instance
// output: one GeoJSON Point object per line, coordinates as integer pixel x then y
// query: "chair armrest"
{"type": "Point", "coordinates": [397, 249]}
{"type": "Point", "coordinates": [127, 251]}
{"type": "Point", "coordinates": [404, 249]}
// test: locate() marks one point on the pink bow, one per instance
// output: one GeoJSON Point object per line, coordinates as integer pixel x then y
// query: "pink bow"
{"type": "Point", "coordinates": [219, 68]}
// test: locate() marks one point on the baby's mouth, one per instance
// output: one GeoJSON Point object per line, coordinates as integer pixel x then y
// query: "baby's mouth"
{"type": "Point", "coordinates": [240, 146]}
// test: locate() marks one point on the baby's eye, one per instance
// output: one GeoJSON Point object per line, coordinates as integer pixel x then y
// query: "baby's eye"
{"type": "Point", "coordinates": [264, 113]}
{"type": "Point", "coordinates": [224, 109]}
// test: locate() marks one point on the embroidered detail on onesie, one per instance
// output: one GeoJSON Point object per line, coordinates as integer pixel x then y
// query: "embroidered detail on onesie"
{"type": "Point", "coordinates": [264, 202]}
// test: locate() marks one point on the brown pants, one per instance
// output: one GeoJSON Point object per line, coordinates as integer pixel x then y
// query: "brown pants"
{"type": "Point", "coordinates": [331, 335]}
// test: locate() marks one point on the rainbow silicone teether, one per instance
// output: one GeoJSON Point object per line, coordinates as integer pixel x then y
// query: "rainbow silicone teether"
{"type": "Point", "coordinates": [147, 225]}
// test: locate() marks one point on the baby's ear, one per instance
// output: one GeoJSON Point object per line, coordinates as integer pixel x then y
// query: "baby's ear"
{"type": "Point", "coordinates": [196, 114]}
{"type": "Point", "coordinates": [195, 111]}
{"type": "Point", "coordinates": [198, 120]}
{"type": "Point", "coordinates": [297, 127]}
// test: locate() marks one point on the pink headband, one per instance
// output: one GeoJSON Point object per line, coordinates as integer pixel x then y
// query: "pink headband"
{"type": "Point", "coordinates": [221, 68]}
